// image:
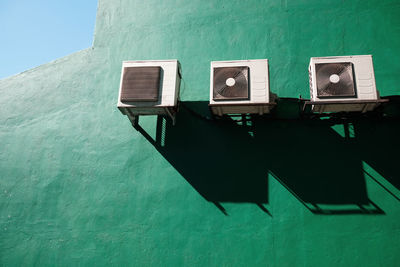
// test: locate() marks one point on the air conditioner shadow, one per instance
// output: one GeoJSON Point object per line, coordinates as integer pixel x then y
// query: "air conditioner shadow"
{"type": "Point", "coordinates": [218, 158]}
{"type": "Point", "coordinates": [318, 166]}
{"type": "Point", "coordinates": [378, 143]}
{"type": "Point", "coordinates": [229, 160]}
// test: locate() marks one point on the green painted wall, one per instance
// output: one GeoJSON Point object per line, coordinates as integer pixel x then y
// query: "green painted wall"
{"type": "Point", "coordinates": [79, 186]}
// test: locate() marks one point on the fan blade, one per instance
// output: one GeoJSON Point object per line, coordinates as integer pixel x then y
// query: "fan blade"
{"type": "Point", "coordinates": [223, 91]}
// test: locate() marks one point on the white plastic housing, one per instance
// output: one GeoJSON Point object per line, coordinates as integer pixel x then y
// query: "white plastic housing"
{"type": "Point", "coordinates": [168, 96]}
{"type": "Point", "coordinates": [259, 96]}
{"type": "Point", "coordinates": [365, 86]}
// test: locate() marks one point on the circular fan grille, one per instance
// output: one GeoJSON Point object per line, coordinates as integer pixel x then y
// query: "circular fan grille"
{"type": "Point", "coordinates": [335, 80]}
{"type": "Point", "coordinates": [231, 83]}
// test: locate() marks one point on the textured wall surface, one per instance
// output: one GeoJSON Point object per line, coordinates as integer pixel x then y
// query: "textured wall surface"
{"type": "Point", "coordinates": [80, 186]}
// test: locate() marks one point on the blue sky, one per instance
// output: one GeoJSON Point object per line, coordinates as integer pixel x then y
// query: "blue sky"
{"type": "Point", "coordinates": [35, 32]}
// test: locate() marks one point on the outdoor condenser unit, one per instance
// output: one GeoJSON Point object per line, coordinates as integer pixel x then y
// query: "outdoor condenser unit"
{"type": "Point", "coordinates": [342, 84]}
{"type": "Point", "coordinates": [149, 88]}
{"type": "Point", "coordinates": [239, 87]}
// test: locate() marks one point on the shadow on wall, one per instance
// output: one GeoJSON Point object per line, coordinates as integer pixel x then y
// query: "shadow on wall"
{"type": "Point", "coordinates": [378, 143]}
{"type": "Point", "coordinates": [231, 159]}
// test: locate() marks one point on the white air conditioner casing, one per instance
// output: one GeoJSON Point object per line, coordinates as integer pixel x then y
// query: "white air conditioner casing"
{"type": "Point", "coordinates": [168, 90]}
{"type": "Point", "coordinates": [366, 96]}
{"type": "Point", "coordinates": [259, 99]}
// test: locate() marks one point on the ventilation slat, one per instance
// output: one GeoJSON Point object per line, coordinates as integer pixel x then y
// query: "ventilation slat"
{"type": "Point", "coordinates": [140, 84]}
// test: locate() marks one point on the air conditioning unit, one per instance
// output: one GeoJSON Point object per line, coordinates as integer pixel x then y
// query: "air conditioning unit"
{"type": "Point", "coordinates": [342, 84]}
{"type": "Point", "coordinates": [149, 88]}
{"type": "Point", "coordinates": [239, 87]}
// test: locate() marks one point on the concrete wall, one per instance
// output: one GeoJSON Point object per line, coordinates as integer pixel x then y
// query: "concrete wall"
{"type": "Point", "coordinates": [80, 186]}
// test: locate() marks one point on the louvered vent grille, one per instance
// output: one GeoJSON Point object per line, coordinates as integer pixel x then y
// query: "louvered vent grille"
{"type": "Point", "coordinates": [310, 81]}
{"type": "Point", "coordinates": [140, 84]}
